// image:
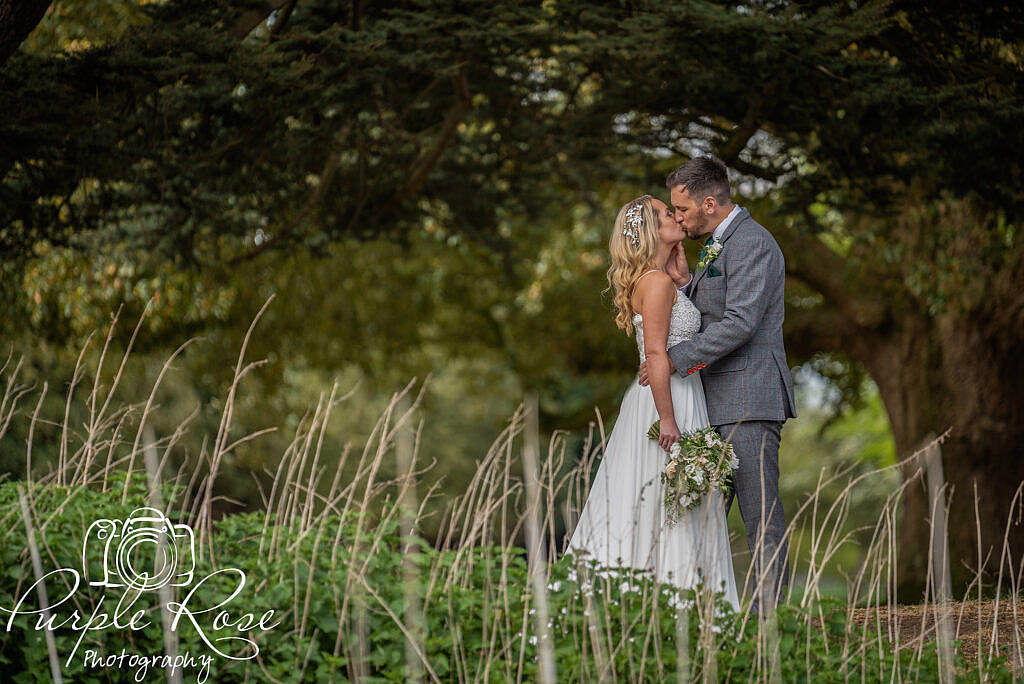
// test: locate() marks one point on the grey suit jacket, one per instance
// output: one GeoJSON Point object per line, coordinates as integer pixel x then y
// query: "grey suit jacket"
{"type": "Point", "coordinates": [739, 351]}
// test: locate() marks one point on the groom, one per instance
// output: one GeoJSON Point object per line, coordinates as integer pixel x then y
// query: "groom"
{"type": "Point", "coordinates": [738, 288]}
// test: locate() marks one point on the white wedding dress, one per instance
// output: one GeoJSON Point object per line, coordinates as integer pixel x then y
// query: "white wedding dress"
{"type": "Point", "coordinates": [622, 523]}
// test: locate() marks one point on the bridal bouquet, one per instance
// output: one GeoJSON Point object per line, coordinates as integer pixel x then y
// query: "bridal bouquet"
{"type": "Point", "coordinates": [699, 462]}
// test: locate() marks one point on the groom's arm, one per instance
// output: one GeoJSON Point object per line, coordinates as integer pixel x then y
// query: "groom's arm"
{"type": "Point", "coordinates": [751, 281]}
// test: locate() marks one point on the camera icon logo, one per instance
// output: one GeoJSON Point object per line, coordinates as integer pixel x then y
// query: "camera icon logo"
{"type": "Point", "coordinates": [145, 551]}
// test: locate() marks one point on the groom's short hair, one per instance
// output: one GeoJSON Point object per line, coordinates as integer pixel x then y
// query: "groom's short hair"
{"type": "Point", "coordinates": [701, 177]}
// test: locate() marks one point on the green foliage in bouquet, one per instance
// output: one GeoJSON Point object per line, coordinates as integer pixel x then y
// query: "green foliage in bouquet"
{"type": "Point", "coordinates": [700, 462]}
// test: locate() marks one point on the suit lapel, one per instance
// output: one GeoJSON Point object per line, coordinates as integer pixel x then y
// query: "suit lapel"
{"type": "Point", "coordinates": [729, 230]}
{"type": "Point", "coordinates": [742, 216]}
{"type": "Point", "coordinates": [696, 279]}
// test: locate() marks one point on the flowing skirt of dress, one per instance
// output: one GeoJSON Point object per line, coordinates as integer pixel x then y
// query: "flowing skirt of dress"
{"type": "Point", "coordinates": [622, 522]}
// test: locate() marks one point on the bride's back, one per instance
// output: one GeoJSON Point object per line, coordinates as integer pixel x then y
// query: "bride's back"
{"type": "Point", "coordinates": [684, 320]}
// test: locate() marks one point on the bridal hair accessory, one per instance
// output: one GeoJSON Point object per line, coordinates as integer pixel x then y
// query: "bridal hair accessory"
{"type": "Point", "coordinates": [634, 219]}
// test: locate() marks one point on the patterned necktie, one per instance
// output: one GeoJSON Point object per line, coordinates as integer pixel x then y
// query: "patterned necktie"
{"type": "Point", "coordinates": [704, 248]}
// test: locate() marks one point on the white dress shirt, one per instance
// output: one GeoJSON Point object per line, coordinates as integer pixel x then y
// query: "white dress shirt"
{"type": "Point", "coordinates": [720, 228]}
{"type": "Point", "coordinates": [717, 235]}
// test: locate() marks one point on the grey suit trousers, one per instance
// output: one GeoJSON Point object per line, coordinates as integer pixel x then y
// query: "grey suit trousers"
{"type": "Point", "coordinates": [755, 485]}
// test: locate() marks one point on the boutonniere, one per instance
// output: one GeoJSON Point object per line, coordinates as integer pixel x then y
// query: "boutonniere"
{"type": "Point", "coordinates": [710, 254]}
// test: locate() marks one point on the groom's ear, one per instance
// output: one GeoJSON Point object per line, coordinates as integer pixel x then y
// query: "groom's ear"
{"type": "Point", "coordinates": [709, 205]}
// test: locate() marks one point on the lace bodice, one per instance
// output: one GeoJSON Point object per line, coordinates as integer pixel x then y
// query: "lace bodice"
{"type": "Point", "coordinates": [684, 323]}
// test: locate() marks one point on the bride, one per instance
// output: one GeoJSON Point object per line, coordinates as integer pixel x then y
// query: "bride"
{"type": "Point", "coordinates": [622, 522]}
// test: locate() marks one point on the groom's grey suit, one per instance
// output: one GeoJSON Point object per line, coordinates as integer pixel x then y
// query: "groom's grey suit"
{"type": "Point", "coordinates": [742, 362]}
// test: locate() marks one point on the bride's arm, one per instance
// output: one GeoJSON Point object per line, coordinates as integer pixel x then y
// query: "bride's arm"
{"type": "Point", "coordinates": [656, 295]}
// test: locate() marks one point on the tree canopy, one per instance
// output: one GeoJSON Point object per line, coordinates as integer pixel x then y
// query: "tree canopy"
{"type": "Point", "coordinates": [188, 156]}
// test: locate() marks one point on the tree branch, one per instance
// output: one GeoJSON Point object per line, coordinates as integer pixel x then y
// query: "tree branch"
{"type": "Point", "coordinates": [815, 329]}
{"type": "Point", "coordinates": [825, 271]}
{"type": "Point", "coordinates": [17, 19]}
{"type": "Point", "coordinates": [282, 19]}
{"type": "Point", "coordinates": [326, 177]}
{"type": "Point", "coordinates": [730, 151]}
{"type": "Point", "coordinates": [749, 169]}
{"type": "Point", "coordinates": [422, 167]}
{"type": "Point", "coordinates": [253, 16]}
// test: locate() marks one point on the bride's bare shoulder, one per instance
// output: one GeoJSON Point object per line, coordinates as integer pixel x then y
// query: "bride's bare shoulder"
{"type": "Point", "coordinates": [653, 291]}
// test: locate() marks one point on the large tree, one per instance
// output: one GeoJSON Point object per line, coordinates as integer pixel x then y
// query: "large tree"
{"type": "Point", "coordinates": [893, 144]}
{"type": "Point", "coordinates": [880, 142]}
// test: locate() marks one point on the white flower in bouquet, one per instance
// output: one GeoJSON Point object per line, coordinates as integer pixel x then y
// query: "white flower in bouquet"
{"type": "Point", "coordinates": [699, 462]}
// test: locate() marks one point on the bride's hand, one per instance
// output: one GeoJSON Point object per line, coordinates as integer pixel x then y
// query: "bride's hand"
{"type": "Point", "coordinates": [668, 434]}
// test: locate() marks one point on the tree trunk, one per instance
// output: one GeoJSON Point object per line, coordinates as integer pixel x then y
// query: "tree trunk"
{"type": "Point", "coordinates": [965, 374]}
{"type": "Point", "coordinates": [17, 19]}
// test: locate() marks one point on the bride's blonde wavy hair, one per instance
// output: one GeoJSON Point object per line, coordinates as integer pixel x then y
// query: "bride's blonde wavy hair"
{"type": "Point", "coordinates": [630, 258]}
